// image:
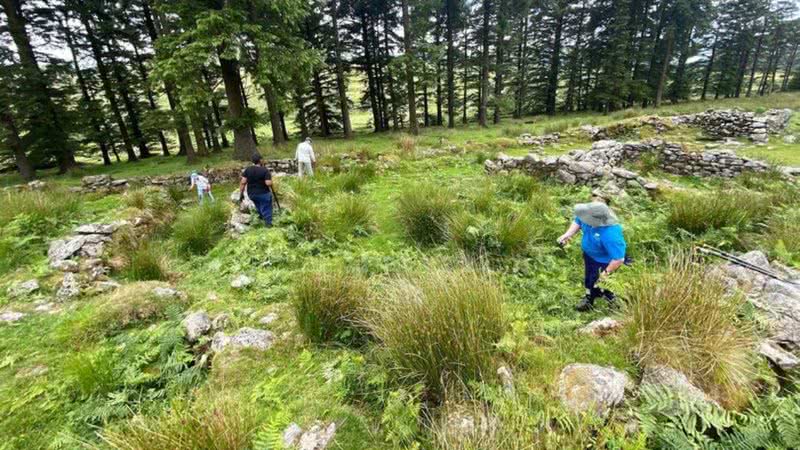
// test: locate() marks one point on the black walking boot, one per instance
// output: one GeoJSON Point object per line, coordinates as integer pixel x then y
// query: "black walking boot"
{"type": "Point", "coordinates": [586, 304]}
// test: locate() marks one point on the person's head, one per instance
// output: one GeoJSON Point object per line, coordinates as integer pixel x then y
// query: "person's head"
{"type": "Point", "coordinates": [595, 214]}
{"type": "Point", "coordinates": [308, 140]}
{"type": "Point", "coordinates": [257, 159]}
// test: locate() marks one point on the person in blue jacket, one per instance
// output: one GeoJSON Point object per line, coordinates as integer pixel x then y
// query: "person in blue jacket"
{"type": "Point", "coordinates": [603, 246]}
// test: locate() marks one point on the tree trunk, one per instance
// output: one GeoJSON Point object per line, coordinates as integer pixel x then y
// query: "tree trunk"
{"type": "Point", "coordinates": [274, 116]}
{"type": "Point", "coordinates": [87, 98]}
{"type": "Point", "coordinates": [502, 23]}
{"type": "Point", "coordinates": [709, 68]}
{"type": "Point", "coordinates": [788, 71]}
{"type": "Point", "coordinates": [130, 108]}
{"type": "Point", "coordinates": [377, 119]}
{"type": "Point", "coordinates": [484, 81]}
{"type": "Point", "coordinates": [409, 54]}
{"type": "Point", "coordinates": [555, 61]}
{"type": "Point", "coordinates": [322, 108]}
{"type": "Point", "coordinates": [244, 146]}
{"type": "Point", "coordinates": [199, 137]}
{"type": "Point", "coordinates": [340, 84]}
{"type": "Point", "coordinates": [13, 141]}
{"type": "Point", "coordinates": [151, 102]}
{"type": "Point", "coordinates": [283, 126]}
{"type": "Point", "coordinates": [48, 118]}
{"type": "Point", "coordinates": [465, 80]}
{"type": "Point", "coordinates": [662, 78]}
{"type": "Point", "coordinates": [439, 97]}
{"type": "Point", "coordinates": [247, 106]}
{"type": "Point", "coordinates": [451, 56]}
{"type": "Point", "coordinates": [756, 56]}
{"type": "Point", "coordinates": [302, 122]}
{"type": "Point", "coordinates": [105, 81]}
{"type": "Point", "coordinates": [212, 131]}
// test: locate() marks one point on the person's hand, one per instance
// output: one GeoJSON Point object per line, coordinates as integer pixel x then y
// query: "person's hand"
{"type": "Point", "coordinates": [563, 239]}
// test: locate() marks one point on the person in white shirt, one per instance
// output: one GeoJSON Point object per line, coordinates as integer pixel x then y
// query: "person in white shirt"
{"type": "Point", "coordinates": [202, 185]}
{"type": "Point", "coordinates": [305, 158]}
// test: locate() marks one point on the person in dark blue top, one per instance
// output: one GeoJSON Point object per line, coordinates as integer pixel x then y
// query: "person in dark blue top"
{"type": "Point", "coordinates": [257, 180]}
{"type": "Point", "coordinates": [603, 247]}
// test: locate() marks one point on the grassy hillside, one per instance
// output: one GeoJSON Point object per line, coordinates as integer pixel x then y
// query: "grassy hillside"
{"type": "Point", "coordinates": [395, 291]}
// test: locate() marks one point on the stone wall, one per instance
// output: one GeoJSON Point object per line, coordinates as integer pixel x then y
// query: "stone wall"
{"type": "Point", "coordinates": [735, 123]}
{"type": "Point", "coordinates": [603, 163]}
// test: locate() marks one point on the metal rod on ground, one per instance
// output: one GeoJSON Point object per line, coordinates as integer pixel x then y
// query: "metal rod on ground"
{"type": "Point", "coordinates": [742, 263]}
{"type": "Point", "coordinates": [275, 197]}
{"type": "Point", "coordinates": [735, 259]}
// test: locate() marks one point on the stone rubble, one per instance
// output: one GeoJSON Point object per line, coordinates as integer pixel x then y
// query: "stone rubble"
{"type": "Point", "coordinates": [778, 356]}
{"type": "Point", "coordinates": [268, 319]}
{"type": "Point", "coordinates": [244, 338]}
{"type": "Point", "coordinates": [588, 387]}
{"type": "Point", "coordinates": [506, 378]}
{"type": "Point", "coordinates": [167, 292]}
{"type": "Point", "coordinates": [102, 183]}
{"type": "Point", "coordinates": [735, 123]}
{"type": "Point", "coordinates": [69, 288]}
{"type": "Point", "coordinates": [538, 141]}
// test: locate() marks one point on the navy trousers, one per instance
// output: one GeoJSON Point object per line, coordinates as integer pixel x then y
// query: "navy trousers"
{"type": "Point", "coordinates": [592, 271]}
{"type": "Point", "coordinates": [263, 204]}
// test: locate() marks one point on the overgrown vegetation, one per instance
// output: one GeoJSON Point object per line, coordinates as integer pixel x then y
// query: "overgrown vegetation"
{"type": "Point", "coordinates": [423, 211]}
{"type": "Point", "coordinates": [199, 228]}
{"type": "Point", "coordinates": [329, 306]}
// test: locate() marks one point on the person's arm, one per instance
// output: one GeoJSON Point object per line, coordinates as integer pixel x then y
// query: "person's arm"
{"type": "Point", "coordinates": [192, 186]}
{"type": "Point", "coordinates": [571, 231]}
{"type": "Point", "coordinates": [297, 152]}
{"type": "Point", "coordinates": [242, 186]}
{"type": "Point", "coordinates": [313, 157]}
{"type": "Point", "coordinates": [613, 265]}
{"type": "Point", "coordinates": [268, 179]}
{"type": "Point", "coordinates": [615, 246]}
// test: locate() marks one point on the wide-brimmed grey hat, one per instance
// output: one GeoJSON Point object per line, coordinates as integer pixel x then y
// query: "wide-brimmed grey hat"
{"type": "Point", "coordinates": [595, 214]}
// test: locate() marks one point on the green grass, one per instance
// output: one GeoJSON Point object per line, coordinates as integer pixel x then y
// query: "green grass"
{"type": "Point", "coordinates": [198, 229]}
{"type": "Point", "coordinates": [329, 306]}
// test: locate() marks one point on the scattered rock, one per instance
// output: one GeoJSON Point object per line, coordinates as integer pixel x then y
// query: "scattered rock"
{"type": "Point", "coordinates": [36, 185]}
{"type": "Point", "coordinates": [463, 425]}
{"type": "Point", "coordinates": [69, 288]}
{"type": "Point", "coordinates": [790, 139]}
{"type": "Point", "coordinates": [166, 292]}
{"type": "Point", "coordinates": [197, 324]}
{"type": "Point", "coordinates": [220, 321]}
{"type": "Point", "coordinates": [23, 289]}
{"type": "Point", "coordinates": [670, 378]}
{"type": "Point", "coordinates": [11, 316]}
{"type": "Point", "coordinates": [506, 378]}
{"type": "Point", "coordinates": [106, 286]}
{"type": "Point", "coordinates": [241, 281]}
{"type": "Point", "coordinates": [778, 356]}
{"type": "Point", "coordinates": [268, 319]}
{"type": "Point", "coordinates": [587, 387]}
{"type": "Point", "coordinates": [49, 308]}
{"type": "Point", "coordinates": [244, 338]}
{"type": "Point", "coordinates": [601, 327]}
{"type": "Point", "coordinates": [316, 438]}
{"type": "Point", "coordinates": [97, 228]}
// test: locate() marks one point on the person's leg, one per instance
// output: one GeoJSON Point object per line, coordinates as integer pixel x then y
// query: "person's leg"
{"type": "Point", "coordinates": [210, 195]}
{"type": "Point", "coordinates": [592, 271]}
{"type": "Point", "coordinates": [257, 200]}
{"type": "Point", "coordinates": [310, 170]}
{"type": "Point", "coordinates": [299, 169]}
{"type": "Point", "coordinates": [199, 195]}
{"type": "Point", "coordinates": [266, 209]}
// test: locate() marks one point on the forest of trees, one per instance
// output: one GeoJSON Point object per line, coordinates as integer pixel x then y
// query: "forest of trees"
{"type": "Point", "coordinates": [134, 78]}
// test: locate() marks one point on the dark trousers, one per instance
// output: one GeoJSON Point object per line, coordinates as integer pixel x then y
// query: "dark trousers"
{"type": "Point", "coordinates": [263, 204]}
{"type": "Point", "coordinates": [592, 270]}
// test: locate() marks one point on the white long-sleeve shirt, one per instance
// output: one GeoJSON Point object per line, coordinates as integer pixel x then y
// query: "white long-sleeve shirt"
{"type": "Point", "coordinates": [305, 153]}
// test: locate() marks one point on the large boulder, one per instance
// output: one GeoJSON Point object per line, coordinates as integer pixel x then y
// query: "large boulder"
{"type": "Point", "coordinates": [667, 377]}
{"type": "Point", "coordinates": [601, 327]}
{"type": "Point", "coordinates": [244, 338]}
{"type": "Point", "coordinates": [588, 387]}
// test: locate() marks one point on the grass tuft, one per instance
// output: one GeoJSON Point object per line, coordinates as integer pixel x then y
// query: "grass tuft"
{"type": "Point", "coordinates": [328, 306]}
{"type": "Point", "coordinates": [423, 211]}
{"type": "Point", "coordinates": [700, 212]}
{"type": "Point", "coordinates": [683, 318]}
{"type": "Point", "coordinates": [350, 215]}
{"type": "Point", "coordinates": [441, 326]}
{"type": "Point", "coordinates": [198, 229]}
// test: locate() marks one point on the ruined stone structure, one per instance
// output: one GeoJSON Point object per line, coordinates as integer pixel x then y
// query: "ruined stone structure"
{"type": "Point", "coordinates": [603, 163]}
{"type": "Point", "coordinates": [735, 123]}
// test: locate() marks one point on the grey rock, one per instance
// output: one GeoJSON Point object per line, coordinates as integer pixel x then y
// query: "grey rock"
{"type": "Point", "coordinates": [166, 292]}
{"type": "Point", "coordinates": [196, 324]}
{"type": "Point", "coordinates": [244, 338]}
{"type": "Point", "coordinates": [790, 139]}
{"type": "Point", "coordinates": [241, 281]}
{"type": "Point", "coordinates": [601, 327]}
{"type": "Point", "coordinates": [291, 436]}
{"type": "Point", "coordinates": [667, 377]}
{"type": "Point", "coordinates": [778, 356]}
{"type": "Point", "coordinates": [506, 378]}
{"type": "Point", "coordinates": [23, 289]}
{"type": "Point", "coordinates": [650, 186]}
{"type": "Point", "coordinates": [92, 249]}
{"type": "Point", "coordinates": [36, 185]}
{"type": "Point", "coordinates": [64, 248]}
{"type": "Point", "coordinates": [623, 173]}
{"type": "Point", "coordinates": [566, 177]}
{"type": "Point", "coordinates": [782, 287]}
{"type": "Point", "coordinates": [96, 228]}
{"type": "Point", "coordinates": [69, 287]}
{"type": "Point", "coordinates": [106, 286]}
{"type": "Point", "coordinates": [588, 387]}
{"type": "Point", "coordinates": [220, 321]}
{"type": "Point", "coordinates": [65, 265]}
{"type": "Point", "coordinates": [11, 316]}
{"type": "Point", "coordinates": [318, 436]}
{"type": "Point", "coordinates": [268, 319]}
